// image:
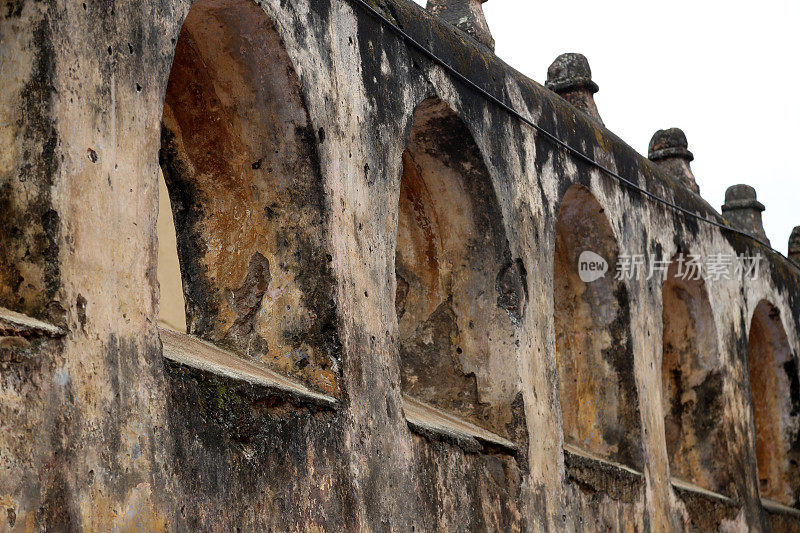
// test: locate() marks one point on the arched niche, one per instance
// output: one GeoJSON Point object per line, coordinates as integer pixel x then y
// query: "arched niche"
{"type": "Point", "coordinates": [775, 400]}
{"type": "Point", "coordinates": [599, 401]}
{"type": "Point", "coordinates": [238, 154]}
{"type": "Point", "coordinates": [692, 383]}
{"type": "Point", "coordinates": [460, 295]}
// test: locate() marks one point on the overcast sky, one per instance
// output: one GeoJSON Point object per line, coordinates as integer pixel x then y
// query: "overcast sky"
{"type": "Point", "coordinates": [726, 73]}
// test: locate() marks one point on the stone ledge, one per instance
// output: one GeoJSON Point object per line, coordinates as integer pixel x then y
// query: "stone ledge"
{"type": "Point", "coordinates": [707, 509]}
{"type": "Point", "coordinates": [772, 506]}
{"type": "Point", "coordinates": [594, 474]}
{"type": "Point", "coordinates": [195, 353]}
{"type": "Point", "coordinates": [13, 324]}
{"type": "Point", "coordinates": [687, 487]}
{"type": "Point", "coordinates": [434, 423]}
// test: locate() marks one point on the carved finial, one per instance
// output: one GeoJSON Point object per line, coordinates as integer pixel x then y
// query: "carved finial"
{"type": "Point", "coordinates": [794, 246]}
{"type": "Point", "coordinates": [743, 210]}
{"type": "Point", "coordinates": [571, 78]}
{"type": "Point", "coordinates": [466, 15]}
{"type": "Point", "coordinates": [670, 150]}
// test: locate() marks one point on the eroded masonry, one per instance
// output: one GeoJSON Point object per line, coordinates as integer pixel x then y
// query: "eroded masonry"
{"type": "Point", "coordinates": [274, 266]}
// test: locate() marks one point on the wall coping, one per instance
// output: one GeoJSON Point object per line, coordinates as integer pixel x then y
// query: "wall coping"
{"type": "Point", "coordinates": [13, 324]}
{"type": "Point", "coordinates": [779, 508]}
{"type": "Point", "coordinates": [596, 474]}
{"type": "Point", "coordinates": [687, 486]}
{"type": "Point", "coordinates": [202, 355]}
{"type": "Point", "coordinates": [427, 420]}
{"type": "Point", "coordinates": [585, 454]}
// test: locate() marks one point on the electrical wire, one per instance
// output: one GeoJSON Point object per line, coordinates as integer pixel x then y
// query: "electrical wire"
{"type": "Point", "coordinates": [548, 135]}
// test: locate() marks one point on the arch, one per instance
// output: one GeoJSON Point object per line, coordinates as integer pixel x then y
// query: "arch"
{"type": "Point", "coordinates": [775, 400]}
{"type": "Point", "coordinates": [238, 154]}
{"type": "Point", "coordinates": [599, 401]}
{"type": "Point", "coordinates": [692, 383]}
{"type": "Point", "coordinates": [459, 293]}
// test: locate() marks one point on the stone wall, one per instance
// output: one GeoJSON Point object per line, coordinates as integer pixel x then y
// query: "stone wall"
{"type": "Point", "coordinates": [378, 266]}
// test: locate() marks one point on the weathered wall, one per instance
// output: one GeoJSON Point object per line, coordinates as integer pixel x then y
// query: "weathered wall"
{"type": "Point", "coordinates": [84, 426]}
{"type": "Point", "coordinates": [97, 431]}
{"type": "Point", "coordinates": [692, 381]}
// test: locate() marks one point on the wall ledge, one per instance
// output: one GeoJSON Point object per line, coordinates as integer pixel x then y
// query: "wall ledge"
{"type": "Point", "coordinates": [707, 510]}
{"type": "Point", "coordinates": [201, 355]}
{"type": "Point", "coordinates": [436, 424]}
{"type": "Point", "coordinates": [687, 487]}
{"type": "Point", "coordinates": [13, 324]}
{"type": "Point", "coordinates": [595, 474]}
{"type": "Point", "coordinates": [779, 508]}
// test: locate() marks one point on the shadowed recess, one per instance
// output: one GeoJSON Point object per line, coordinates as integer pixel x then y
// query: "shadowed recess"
{"type": "Point", "coordinates": [692, 383]}
{"type": "Point", "coordinates": [460, 295]}
{"type": "Point", "coordinates": [599, 403]}
{"type": "Point", "coordinates": [775, 398]}
{"type": "Point", "coordinates": [238, 154]}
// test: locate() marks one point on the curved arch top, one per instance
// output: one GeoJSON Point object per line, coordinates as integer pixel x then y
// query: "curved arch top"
{"type": "Point", "coordinates": [775, 401]}
{"type": "Point", "coordinates": [239, 157]}
{"type": "Point", "coordinates": [693, 383]}
{"type": "Point", "coordinates": [460, 295]}
{"type": "Point", "coordinates": [599, 400]}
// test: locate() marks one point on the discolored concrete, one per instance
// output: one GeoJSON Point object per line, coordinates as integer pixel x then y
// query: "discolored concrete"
{"type": "Point", "coordinates": [382, 266]}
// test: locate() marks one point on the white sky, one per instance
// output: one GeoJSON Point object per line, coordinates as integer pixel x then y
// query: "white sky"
{"type": "Point", "coordinates": [726, 73]}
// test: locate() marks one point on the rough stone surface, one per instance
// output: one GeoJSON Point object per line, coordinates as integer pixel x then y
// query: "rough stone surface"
{"type": "Point", "coordinates": [743, 210]}
{"type": "Point", "coordinates": [467, 15]}
{"type": "Point", "coordinates": [670, 149]}
{"type": "Point", "coordinates": [669, 143]}
{"type": "Point", "coordinates": [352, 217]}
{"type": "Point", "coordinates": [794, 245]}
{"type": "Point", "coordinates": [571, 78]}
